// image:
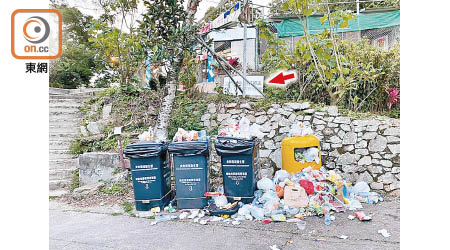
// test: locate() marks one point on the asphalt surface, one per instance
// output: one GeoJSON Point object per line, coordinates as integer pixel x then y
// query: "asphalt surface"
{"type": "Point", "coordinates": [96, 228]}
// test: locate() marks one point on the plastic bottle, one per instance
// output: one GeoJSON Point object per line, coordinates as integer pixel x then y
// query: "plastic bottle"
{"type": "Point", "coordinates": [327, 219]}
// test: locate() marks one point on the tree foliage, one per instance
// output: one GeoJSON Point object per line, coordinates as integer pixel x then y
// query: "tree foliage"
{"type": "Point", "coordinates": [354, 75]}
{"type": "Point", "coordinates": [79, 61]}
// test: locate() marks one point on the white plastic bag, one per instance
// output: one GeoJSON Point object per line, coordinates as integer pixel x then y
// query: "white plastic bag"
{"type": "Point", "coordinates": [361, 187]}
{"type": "Point", "coordinates": [220, 200]}
{"type": "Point", "coordinates": [255, 131]}
{"type": "Point", "coordinates": [265, 184]}
{"type": "Point", "coordinates": [281, 176]}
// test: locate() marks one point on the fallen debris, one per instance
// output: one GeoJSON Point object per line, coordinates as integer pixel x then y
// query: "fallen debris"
{"type": "Point", "coordinates": [384, 232]}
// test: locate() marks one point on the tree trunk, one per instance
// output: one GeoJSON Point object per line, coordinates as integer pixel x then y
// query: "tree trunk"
{"type": "Point", "coordinates": [172, 78]}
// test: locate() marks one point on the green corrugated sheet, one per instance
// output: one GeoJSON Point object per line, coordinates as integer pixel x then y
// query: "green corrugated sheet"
{"type": "Point", "coordinates": [293, 27]}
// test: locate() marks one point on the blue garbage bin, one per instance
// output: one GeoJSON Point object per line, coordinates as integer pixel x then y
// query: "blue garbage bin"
{"type": "Point", "coordinates": [190, 163]}
{"type": "Point", "coordinates": [239, 159]}
{"type": "Point", "coordinates": [150, 172]}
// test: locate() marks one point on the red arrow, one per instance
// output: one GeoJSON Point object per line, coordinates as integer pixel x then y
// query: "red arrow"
{"type": "Point", "coordinates": [280, 78]}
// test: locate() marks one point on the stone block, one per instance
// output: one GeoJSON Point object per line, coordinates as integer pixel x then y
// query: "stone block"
{"type": "Point", "coordinates": [96, 166]}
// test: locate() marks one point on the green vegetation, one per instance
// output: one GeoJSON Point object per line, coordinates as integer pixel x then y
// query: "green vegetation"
{"type": "Point", "coordinates": [80, 61]}
{"type": "Point", "coordinates": [186, 114]}
{"type": "Point", "coordinates": [115, 189]}
{"type": "Point", "coordinates": [356, 76]}
{"type": "Point", "coordinates": [75, 180]}
{"type": "Point", "coordinates": [128, 208]}
{"type": "Point", "coordinates": [133, 109]}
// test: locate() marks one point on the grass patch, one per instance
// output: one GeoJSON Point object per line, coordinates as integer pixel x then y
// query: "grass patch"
{"type": "Point", "coordinates": [186, 114]}
{"type": "Point", "coordinates": [76, 148]}
{"type": "Point", "coordinates": [127, 206]}
{"type": "Point", "coordinates": [116, 214]}
{"type": "Point", "coordinates": [115, 189]}
{"type": "Point", "coordinates": [52, 197]}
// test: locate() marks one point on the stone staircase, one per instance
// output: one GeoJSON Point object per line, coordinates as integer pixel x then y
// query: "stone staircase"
{"type": "Point", "coordinates": [65, 118]}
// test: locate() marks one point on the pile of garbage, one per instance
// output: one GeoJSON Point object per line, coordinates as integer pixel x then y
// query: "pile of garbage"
{"type": "Point", "coordinates": [285, 198]}
{"type": "Point", "coordinates": [309, 192]}
{"type": "Point", "coordinates": [193, 135]}
{"type": "Point", "coordinates": [310, 154]}
{"type": "Point", "coordinates": [242, 129]}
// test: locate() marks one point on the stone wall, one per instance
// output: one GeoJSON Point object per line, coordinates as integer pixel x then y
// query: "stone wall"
{"type": "Point", "coordinates": [359, 149]}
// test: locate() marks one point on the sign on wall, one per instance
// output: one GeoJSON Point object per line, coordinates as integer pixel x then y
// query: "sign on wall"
{"type": "Point", "coordinates": [231, 89]}
{"type": "Point", "coordinates": [231, 15]}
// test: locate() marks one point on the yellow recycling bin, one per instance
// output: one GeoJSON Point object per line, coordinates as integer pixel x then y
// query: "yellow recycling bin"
{"type": "Point", "coordinates": [292, 149]}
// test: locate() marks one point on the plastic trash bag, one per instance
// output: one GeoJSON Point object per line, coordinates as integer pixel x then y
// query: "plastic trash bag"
{"type": "Point", "coordinates": [257, 212]}
{"type": "Point", "coordinates": [255, 131]}
{"type": "Point", "coordinates": [295, 197]}
{"type": "Point", "coordinates": [220, 200]}
{"type": "Point", "coordinates": [244, 210]}
{"type": "Point", "coordinates": [281, 176]}
{"type": "Point", "coordinates": [361, 187]}
{"type": "Point", "coordinates": [265, 184]}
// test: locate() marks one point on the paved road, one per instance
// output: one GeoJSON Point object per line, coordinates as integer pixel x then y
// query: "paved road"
{"type": "Point", "coordinates": [98, 229]}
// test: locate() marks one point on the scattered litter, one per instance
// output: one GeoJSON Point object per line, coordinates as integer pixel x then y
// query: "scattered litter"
{"type": "Point", "coordinates": [301, 225]}
{"type": "Point", "coordinates": [235, 222]}
{"type": "Point", "coordinates": [319, 239]}
{"type": "Point", "coordinates": [145, 214]}
{"type": "Point", "coordinates": [156, 210]}
{"type": "Point", "coordinates": [275, 247]}
{"type": "Point", "coordinates": [278, 217]}
{"type": "Point", "coordinates": [216, 218]}
{"type": "Point", "coordinates": [344, 237]}
{"type": "Point", "coordinates": [203, 222]}
{"type": "Point", "coordinates": [267, 221]}
{"type": "Point", "coordinates": [183, 215]}
{"type": "Point", "coordinates": [384, 232]}
{"type": "Point", "coordinates": [362, 216]}
{"type": "Point", "coordinates": [194, 213]}
{"type": "Point", "coordinates": [290, 241]}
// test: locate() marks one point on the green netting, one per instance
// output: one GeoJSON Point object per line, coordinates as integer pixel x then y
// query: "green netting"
{"type": "Point", "coordinates": [293, 27]}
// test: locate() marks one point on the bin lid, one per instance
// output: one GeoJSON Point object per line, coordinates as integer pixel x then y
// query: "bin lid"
{"type": "Point", "coordinates": [189, 148]}
{"type": "Point", "coordinates": [301, 141]}
{"type": "Point", "coordinates": [145, 149]}
{"type": "Point", "coordinates": [235, 146]}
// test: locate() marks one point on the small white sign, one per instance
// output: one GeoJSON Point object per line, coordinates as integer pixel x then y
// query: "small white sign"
{"type": "Point", "coordinates": [118, 130]}
{"type": "Point", "coordinates": [231, 89]}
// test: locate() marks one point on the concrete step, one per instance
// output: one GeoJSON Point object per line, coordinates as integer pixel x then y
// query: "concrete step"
{"type": "Point", "coordinates": [65, 129]}
{"type": "Point", "coordinates": [64, 109]}
{"type": "Point", "coordinates": [59, 184]}
{"type": "Point", "coordinates": [71, 97]}
{"type": "Point", "coordinates": [65, 116]}
{"type": "Point", "coordinates": [62, 124]}
{"type": "Point", "coordinates": [58, 192]}
{"type": "Point", "coordinates": [74, 91]}
{"type": "Point", "coordinates": [64, 105]}
{"type": "Point", "coordinates": [59, 136]}
{"type": "Point", "coordinates": [60, 154]}
{"type": "Point", "coordinates": [66, 100]}
{"type": "Point", "coordinates": [60, 174]}
{"type": "Point", "coordinates": [59, 145]}
{"type": "Point", "coordinates": [63, 163]}
{"type": "Point", "coordinates": [71, 120]}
